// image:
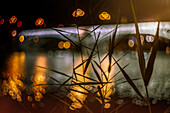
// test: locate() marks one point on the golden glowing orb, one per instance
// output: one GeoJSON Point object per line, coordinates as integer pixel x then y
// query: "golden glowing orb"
{"type": "Point", "coordinates": [61, 45]}
{"type": "Point", "coordinates": [21, 38]}
{"type": "Point", "coordinates": [67, 45]}
{"type": "Point", "coordinates": [13, 19]}
{"type": "Point", "coordinates": [131, 43]}
{"type": "Point", "coordinates": [39, 22]}
{"type": "Point", "coordinates": [104, 16]}
{"type": "Point", "coordinates": [78, 12]}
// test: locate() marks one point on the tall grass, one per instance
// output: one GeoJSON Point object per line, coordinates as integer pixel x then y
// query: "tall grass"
{"type": "Point", "coordinates": [101, 85]}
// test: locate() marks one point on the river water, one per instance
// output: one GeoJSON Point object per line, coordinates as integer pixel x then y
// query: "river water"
{"type": "Point", "coordinates": [39, 73]}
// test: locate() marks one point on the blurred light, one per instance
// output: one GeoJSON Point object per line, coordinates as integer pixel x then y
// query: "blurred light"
{"type": "Point", "coordinates": [19, 24]}
{"type": "Point", "coordinates": [39, 22]}
{"type": "Point", "coordinates": [39, 78]}
{"type": "Point", "coordinates": [14, 33]}
{"type": "Point", "coordinates": [107, 105]}
{"type": "Point", "coordinates": [2, 21]}
{"type": "Point", "coordinates": [21, 38]}
{"type": "Point", "coordinates": [29, 98]}
{"type": "Point", "coordinates": [13, 19]}
{"type": "Point", "coordinates": [60, 25]}
{"type": "Point", "coordinates": [131, 43]}
{"type": "Point", "coordinates": [149, 38]}
{"type": "Point", "coordinates": [61, 45]}
{"type": "Point", "coordinates": [73, 95]}
{"type": "Point", "coordinates": [67, 45]}
{"type": "Point", "coordinates": [104, 16]}
{"type": "Point", "coordinates": [142, 39]}
{"type": "Point", "coordinates": [168, 50]}
{"type": "Point", "coordinates": [36, 39]}
{"type": "Point", "coordinates": [78, 12]}
{"type": "Point", "coordinates": [13, 85]}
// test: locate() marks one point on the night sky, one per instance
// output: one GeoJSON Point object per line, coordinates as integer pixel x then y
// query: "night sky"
{"type": "Point", "coordinates": [60, 11]}
{"type": "Point", "coordinates": [56, 12]}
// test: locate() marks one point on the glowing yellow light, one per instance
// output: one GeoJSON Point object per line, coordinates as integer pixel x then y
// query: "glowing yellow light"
{"type": "Point", "coordinates": [76, 95]}
{"type": "Point", "coordinates": [107, 105]}
{"type": "Point", "coordinates": [131, 43]}
{"type": "Point", "coordinates": [39, 78]}
{"type": "Point", "coordinates": [108, 89]}
{"type": "Point", "coordinates": [78, 13]}
{"type": "Point", "coordinates": [67, 45]}
{"type": "Point", "coordinates": [13, 85]}
{"type": "Point", "coordinates": [61, 45]}
{"type": "Point", "coordinates": [39, 22]}
{"type": "Point", "coordinates": [21, 38]}
{"type": "Point", "coordinates": [104, 16]}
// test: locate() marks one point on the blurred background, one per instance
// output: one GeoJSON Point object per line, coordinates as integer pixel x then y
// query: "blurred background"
{"type": "Point", "coordinates": [19, 72]}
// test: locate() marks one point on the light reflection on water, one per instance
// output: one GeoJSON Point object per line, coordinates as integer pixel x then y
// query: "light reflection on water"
{"type": "Point", "coordinates": [13, 84]}
{"type": "Point", "coordinates": [39, 78]}
{"type": "Point", "coordinates": [22, 73]}
{"type": "Point", "coordinates": [22, 67]}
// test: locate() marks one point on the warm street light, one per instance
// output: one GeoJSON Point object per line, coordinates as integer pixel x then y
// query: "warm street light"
{"type": "Point", "coordinates": [78, 12]}
{"type": "Point", "coordinates": [39, 22]}
{"type": "Point", "coordinates": [104, 16]}
{"type": "Point", "coordinates": [13, 19]}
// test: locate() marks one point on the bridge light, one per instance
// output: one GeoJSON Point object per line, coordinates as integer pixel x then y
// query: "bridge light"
{"type": "Point", "coordinates": [13, 19]}
{"type": "Point", "coordinates": [14, 33]}
{"type": "Point", "coordinates": [2, 21]}
{"type": "Point", "coordinates": [39, 22]}
{"type": "Point", "coordinates": [67, 45]}
{"type": "Point", "coordinates": [21, 38]}
{"type": "Point", "coordinates": [149, 38]}
{"type": "Point", "coordinates": [78, 12]}
{"type": "Point", "coordinates": [19, 24]}
{"type": "Point", "coordinates": [131, 43]}
{"type": "Point", "coordinates": [61, 45]}
{"type": "Point", "coordinates": [104, 16]}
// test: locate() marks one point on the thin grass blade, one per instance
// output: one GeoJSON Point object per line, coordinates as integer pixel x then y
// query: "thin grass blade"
{"type": "Point", "coordinates": [167, 110]}
{"type": "Point", "coordinates": [91, 32]}
{"type": "Point", "coordinates": [112, 42]}
{"type": "Point", "coordinates": [150, 65]}
{"type": "Point", "coordinates": [90, 57]}
{"type": "Point", "coordinates": [129, 80]}
{"type": "Point", "coordinates": [96, 73]}
{"type": "Point", "coordinates": [76, 45]}
{"type": "Point", "coordinates": [119, 106]}
{"type": "Point", "coordinates": [101, 70]}
{"type": "Point", "coordinates": [139, 47]}
{"type": "Point", "coordinates": [100, 92]}
{"type": "Point", "coordinates": [54, 71]}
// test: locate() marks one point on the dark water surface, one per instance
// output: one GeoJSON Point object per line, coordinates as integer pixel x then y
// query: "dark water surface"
{"type": "Point", "coordinates": [25, 80]}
